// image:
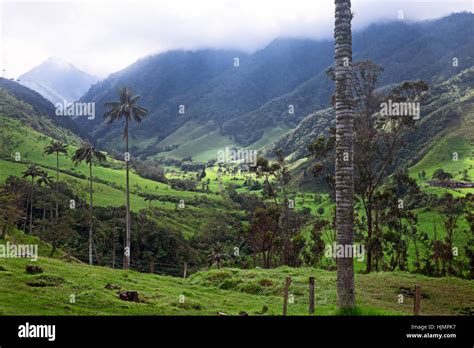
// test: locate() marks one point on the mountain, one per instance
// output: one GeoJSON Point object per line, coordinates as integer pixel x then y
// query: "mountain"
{"type": "Point", "coordinates": [446, 126]}
{"type": "Point", "coordinates": [249, 105]}
{"type": "Point", "coordinates": [58, 80]}
{"type": "Point", "coordinates": [38, 104]}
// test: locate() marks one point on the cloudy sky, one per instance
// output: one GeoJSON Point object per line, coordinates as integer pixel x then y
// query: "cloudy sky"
{"type": "Point", "coordinates": [103, 36]}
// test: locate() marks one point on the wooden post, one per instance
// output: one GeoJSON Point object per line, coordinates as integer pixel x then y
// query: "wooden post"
{"type": "Point", "coordinates": [311, 295]}
{"type": "Point", "coordinates": [285, 295]}
{"type": "Point", "coordinates": [417, 300]}
{"type": "Point", "coordinates": [185, 270]}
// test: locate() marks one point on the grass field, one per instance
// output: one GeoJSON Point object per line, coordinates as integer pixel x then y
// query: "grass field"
{"type": "Point", "coordinates": [442, 156]}
{"type": "Point", "coordinates": [229, 291]}
{"type": "Point", "coordinates": [30, 144]}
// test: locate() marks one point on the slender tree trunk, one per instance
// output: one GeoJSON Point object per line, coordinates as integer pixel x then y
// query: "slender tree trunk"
{"type": "Point", "coordinates": [113, 253]}
{"type": "Point", "coordinates": [379, 256]}
{"type": "Point", "coordinates": [31, 203]}
{"type": "Point", "coordinates": [57, 184]}
{"type": "Point", "coordinates": [25, 222]}
{"type": "Point", "coordinates": [44, 215]}
{"type": "Point", "coordinates": [53, 243]}
{"type": "Point", "coordinates": [126, 264]}
{"type": "Point", "coordinates": [90, 213]}
{"type": "Point", "coordinates": [344, 151]}
{"type": "Point", "coordinates": [369, 236]}
{"type": "Point", "coordinates": [152, 267]}
{"type": "Point", "coordinates": [4, 226]}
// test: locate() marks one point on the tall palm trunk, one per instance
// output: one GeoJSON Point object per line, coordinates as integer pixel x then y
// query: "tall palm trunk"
{"type": "Point", "coordinates": [4, 227]}
{"type": "Point", "coordinates": [113, 252]}
{"type": "Point", "coordinates": [54, 242]}
{"type": "Point", "coordinates": [31, 204]}
{"type": "Point", "coordinates": [90, 213]}
{"type": "Point", "coordinates": [25, 221]}
{"type": "Point", "coordinates": [344, 151]}
{"type": "Point", "coordinates": [57, 184]}
{"type": "Point", "coordinates": [44, 215]}
{"type": "Point", "coordinates": [126, 263]}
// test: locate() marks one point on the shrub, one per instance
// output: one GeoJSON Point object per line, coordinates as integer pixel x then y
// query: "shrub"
{"type": "Point", "coordinates": [46, 280]}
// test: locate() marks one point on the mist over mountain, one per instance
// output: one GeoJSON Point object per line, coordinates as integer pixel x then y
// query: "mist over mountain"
{"type": "Point", "coordinates": [57, 80]}
{"type": "Point", "coordinates": [242, 97]}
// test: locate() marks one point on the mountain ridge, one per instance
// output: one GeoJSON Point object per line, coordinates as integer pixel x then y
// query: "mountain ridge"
{"type": "Point", "coordinates": [58, 80]}
{"type": "Point", "coordinates": [243, 102]}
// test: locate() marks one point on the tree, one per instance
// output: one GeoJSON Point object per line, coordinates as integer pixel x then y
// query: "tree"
{"type": "Point", "coordinates": [442, 175]}
{"type": "Point", "coordinates": [469, 247]}
{"type": "Point", "coordinates": [56, 147]}
{"type": "Point", "coordinates": [9, 209]}
{"type": "Point", "coordinates": [322, 150]}
{"type": "Point", "coordinates": [344, 151]}
{"type": "Point", "coordinates": [33, 172]}
{"type": "Point", "coordinates": [127, 108]}
{"type": "Point", "coordinates": [150, 198]}
{"type": "Point", "coordinates": [217, 255]}
{"type": "Point", "coordinates": [44, 179]}
{"type": "Point", "coordinates": [452, 210]}
{"type": "Point", "coordinates": [86, 153]}
{"type": "Point", "coordinates": [313, 254]}
{"type": "Point", "coordinates": [377, 137]}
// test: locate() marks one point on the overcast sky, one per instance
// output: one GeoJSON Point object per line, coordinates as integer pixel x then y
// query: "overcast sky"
{"type": "Point", "coordinates": [103, 36]}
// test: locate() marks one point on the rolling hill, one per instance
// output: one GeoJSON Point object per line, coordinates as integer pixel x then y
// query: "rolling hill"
{"type": "Point", "coordinates": [224, 292]}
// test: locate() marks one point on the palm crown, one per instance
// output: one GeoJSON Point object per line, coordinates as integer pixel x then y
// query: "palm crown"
{"type": "Point", "coordinates": [56, 147]}
{"type": "Point", "coordinates": [127, 107]}
{"type": "Point", "coordinates": [86, 153]}
{"type": "Point", "coordinates": [33, 171]}
{"type": "Point", "coordinates": [45, 179]}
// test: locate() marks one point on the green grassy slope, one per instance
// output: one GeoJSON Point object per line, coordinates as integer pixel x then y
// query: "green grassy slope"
{"type": "Point", "coordinates": [23, 132]}
{"type": "Point", "coordinates": [452, 148]}
{"type": "Point", "coordinates": [30, 145]}
{"type": "Point", "coordinates": [202, 148]}
{"type": "Point", "coordinates": [257, 292]}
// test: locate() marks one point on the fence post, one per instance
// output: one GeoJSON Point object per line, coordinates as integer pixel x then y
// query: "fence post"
{"type": "Point", "coordinates": [185, 270]}
{"type": "Point", "coordinates": [417, 300]}
{"type": "Point", "coordinates": [311, 295]}
{"type": "Point", "coordinates": [285, 294]}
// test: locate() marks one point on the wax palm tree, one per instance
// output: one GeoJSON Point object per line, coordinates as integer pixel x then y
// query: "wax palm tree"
{"type": "Point", "coordinates": [56, 147]}
{"type": "Point", "coordinates": [344, 151]}
{"type": "Point", "coordinates": [87, 153]}
{"type": "Point", "coordinates": [33, 171]}
{"type": "Point", "coordinates": [150, 198]}
{"type": "Point", "coordinates": [217, 255]}
{"type": "Point", "coordinates": [44, 179]}
{"type": "Point", "coordinates": [127, 108]}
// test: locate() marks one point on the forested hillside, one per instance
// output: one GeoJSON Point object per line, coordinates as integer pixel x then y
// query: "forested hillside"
{"type": "Point", "coordinates": [243, 97]}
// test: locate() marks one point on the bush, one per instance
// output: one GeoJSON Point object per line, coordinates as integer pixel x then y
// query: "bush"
{"type": "Point", "coordinates": [46, 280]}
{"type": "Point", "coordinates": [251, 288]}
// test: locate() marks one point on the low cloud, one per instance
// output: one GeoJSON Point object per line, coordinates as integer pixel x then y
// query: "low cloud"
{"type": "Point", "coordinates": [103, 36]}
